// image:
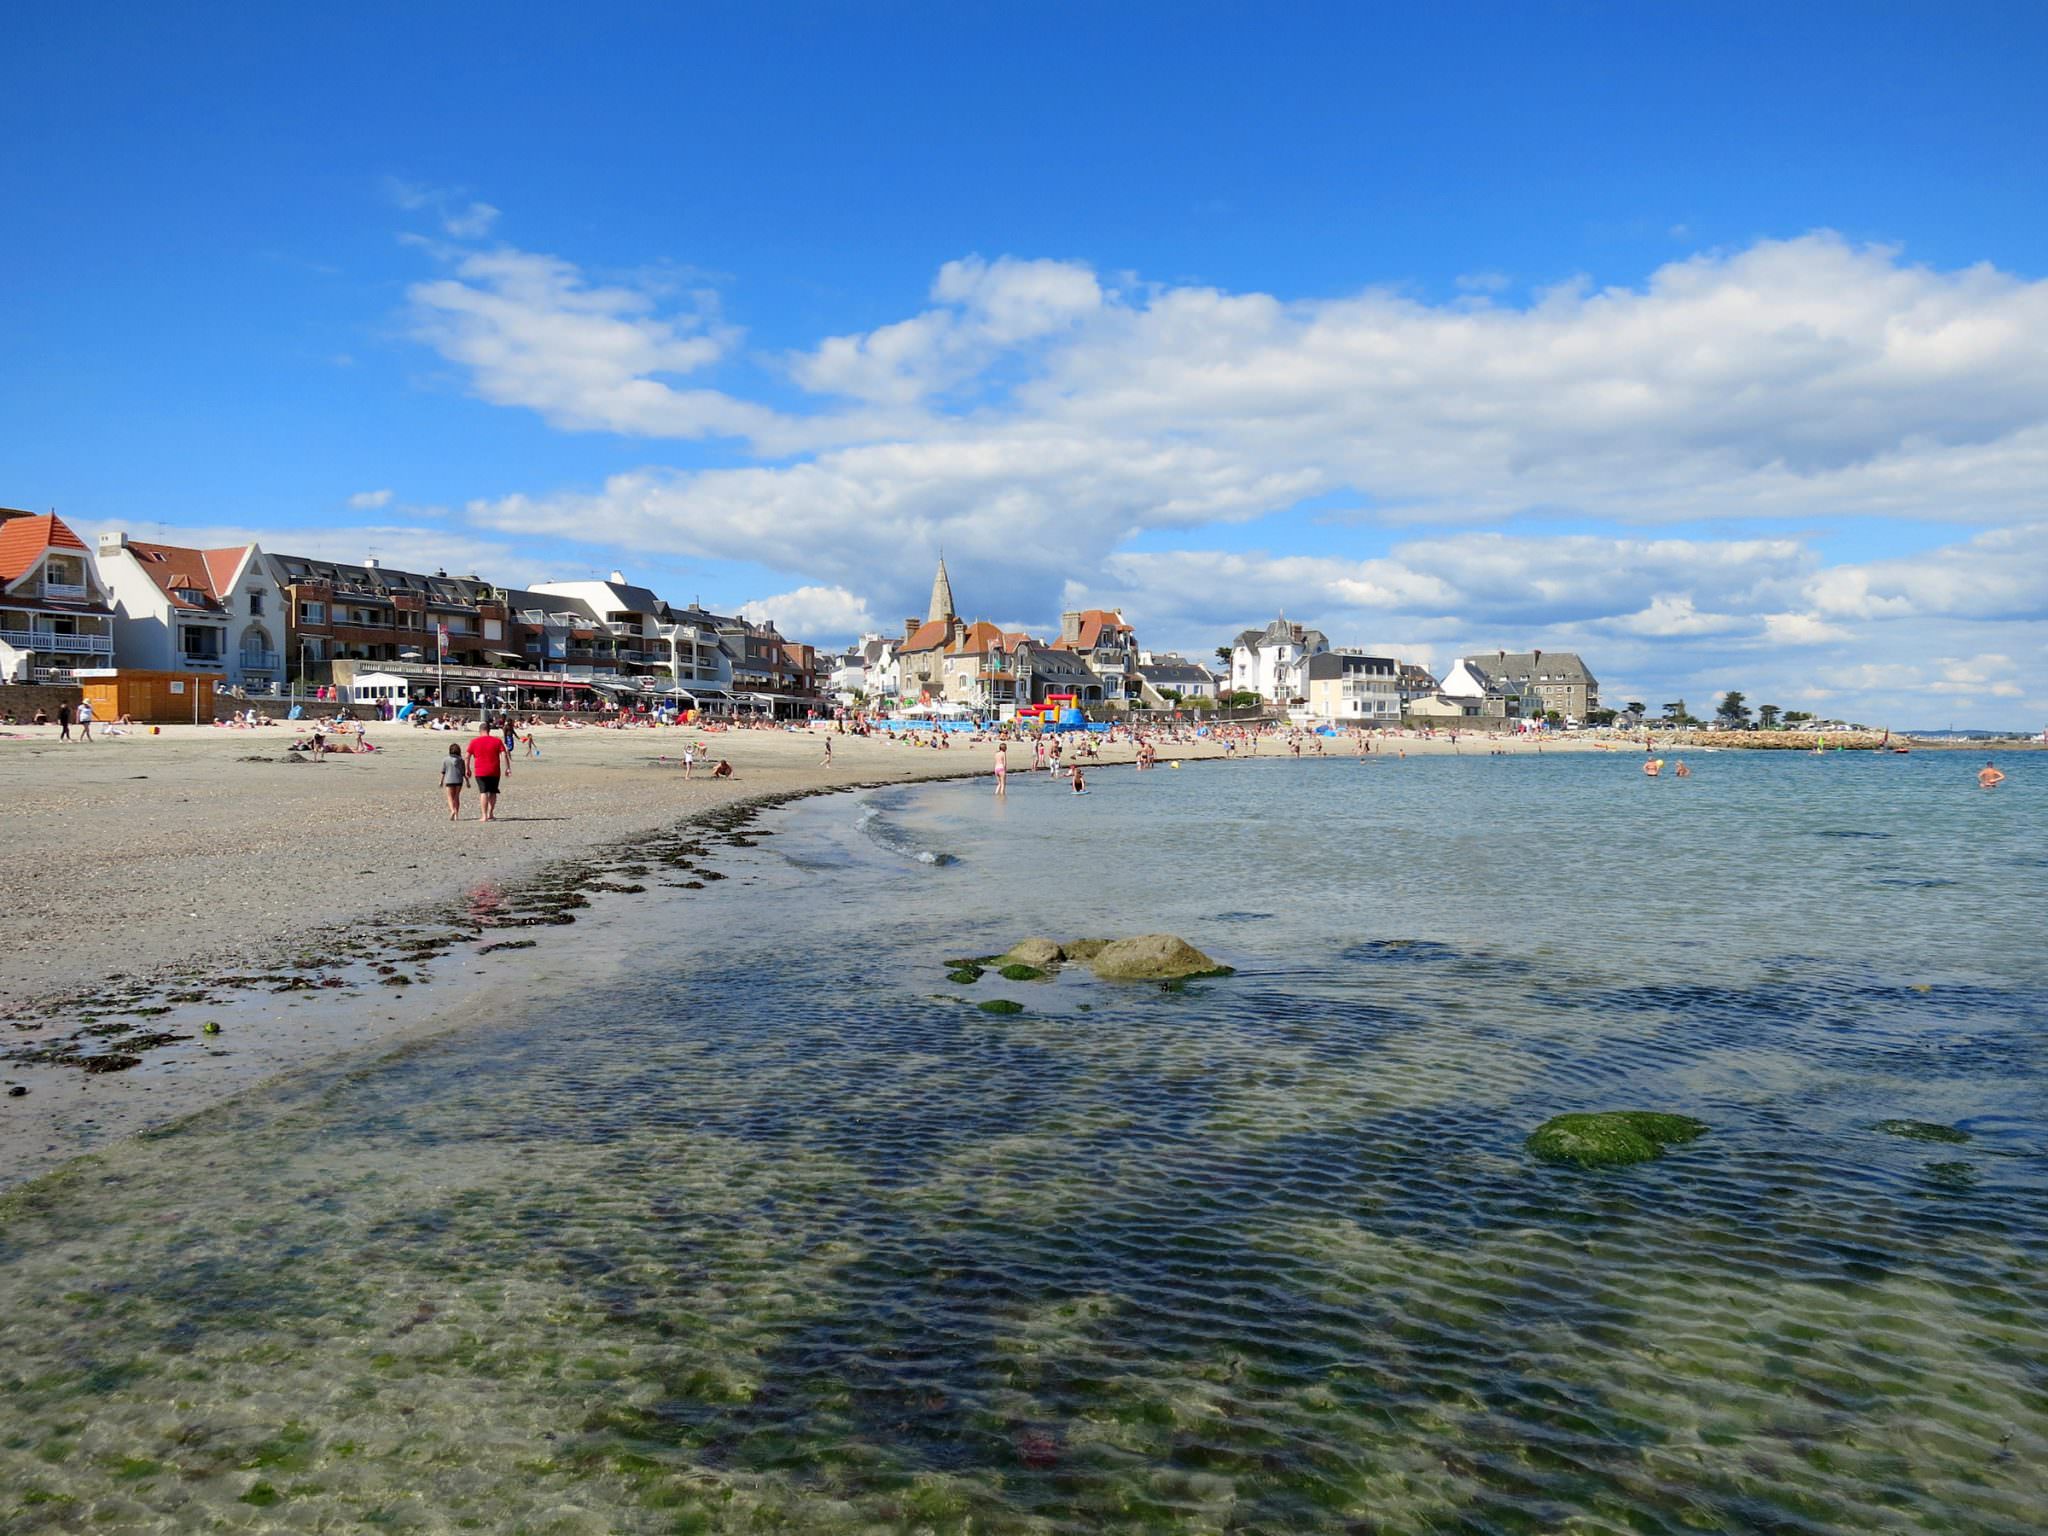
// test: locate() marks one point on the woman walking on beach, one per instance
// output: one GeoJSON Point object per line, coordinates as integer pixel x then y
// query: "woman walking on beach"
{"type": "Point", "coordinates": [454, 774]}
{"type": "Point", "coordinates": [85, 718]}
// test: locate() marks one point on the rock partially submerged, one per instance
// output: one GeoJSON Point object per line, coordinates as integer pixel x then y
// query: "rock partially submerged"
{"type": "Point", "coordinates": [1924, 1130]}
{"type": "Point", "coordinates": [1153, 957]}
{"type": "Point", "coordinates": [1000, 1005]}
{"type": "Point", "coordinates": [1018, 972]}
{"type": "Point", "coordinates": [1040, 954]}
{"type": "Point", "coordinates": [1612, 1138]}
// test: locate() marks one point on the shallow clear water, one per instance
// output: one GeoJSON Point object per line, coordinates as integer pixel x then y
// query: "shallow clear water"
{"type": "Point", "coordinates": [744, 1220]}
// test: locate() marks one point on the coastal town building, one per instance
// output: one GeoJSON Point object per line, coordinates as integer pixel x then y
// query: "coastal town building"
{"type": "Point", "coordinates": [1470, 691]}
{"type": "Point", "coordinates": [980, 669]}
{"type": "Point", "coordinates": [373, 612]}
{"type": "Point", "coordinates": [1272, 662]}
{"type": "Point", "coordinates": [1351, 688]}
{"type": "Point", "coordinates": [1168, 678]}
{"type": "Point", "coordinates": [1440, 708]}
{"type": "Point", "coordinates": [1558, 680]}
{"type": "Point", "coordinates": [865, 670]}
{"type": "Point", "coordinates": [631, 617]}
{"type": "Point", "coordinates": [1416, 681]}
{"type": "Point", "coordinates": [921, 654]}
{"type": "Point", "coordinates": [1045, 670]}
{"type": "Point", "coordinates": [177, 609]}
{"type": "Point", "coordinates": [56, 615]}
{"type": "Point", "coordinates": [1110, 647]}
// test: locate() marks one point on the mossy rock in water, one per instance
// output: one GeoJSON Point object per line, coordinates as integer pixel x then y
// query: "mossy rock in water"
{"type": "Point", "coordinates": [1039, 954]}
{"type": "Point", "coordinates": [1152, 957]}
{"type": "Point", "coordinates": [1950, 1176]}
{"type": "Point", "coordinates": [1923, 1130]}
{"type": "Point", "coordinates": [1000, 1005]}
{"type": "Point", "coordinates": [1084, 949]}
{"type": "Point", "coordinates": [964, 975]}
{"type": "Point", "coordinates": [1018, 972]}
{"type": "Point", "coordinates": [1612, 1138]}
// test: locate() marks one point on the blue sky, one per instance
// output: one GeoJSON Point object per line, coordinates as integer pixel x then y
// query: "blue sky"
{"type": "Point", "coordinates": [1706, 340]}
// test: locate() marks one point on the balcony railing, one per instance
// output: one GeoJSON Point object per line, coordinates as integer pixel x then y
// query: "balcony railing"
{"type": "Point", "coordinates": [201, 659]}
{"type": "Point", "coordinates": [67, 645]}
{"type": "Point", "coordinates": [72, 590]}
{"type": "Point", "coordinates": [259, 661]}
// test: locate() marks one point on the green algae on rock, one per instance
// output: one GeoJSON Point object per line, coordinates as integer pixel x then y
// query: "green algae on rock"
{"type": "Point", "coordinates": [999, 1005]}
{"type": "Point", "coordinates": [1611, 1138]}
{"type": "Point", "coordinates": [964, 975]}
{"type": "Point", "coordinates": [1923, 1130]}
{"type": "Point", "coordinates": [1016, 971]}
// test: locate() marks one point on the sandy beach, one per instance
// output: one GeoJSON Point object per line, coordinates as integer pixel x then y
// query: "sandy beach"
{"type": "Point", "coordinates": [164, 882]}
{"type": "Point", "coordinates": [140, 851]}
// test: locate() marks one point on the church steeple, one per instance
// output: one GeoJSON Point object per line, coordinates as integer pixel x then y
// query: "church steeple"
{"type": "Point", "coordinates": [942, 597]}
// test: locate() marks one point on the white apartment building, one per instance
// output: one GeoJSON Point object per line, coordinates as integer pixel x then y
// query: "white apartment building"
{"type": "Point", "coordinates": [1351, 688]}
{"type": "Point", "coordinates": [195, 610]}
{"type": "Point", "coordinates": [1273, 662]}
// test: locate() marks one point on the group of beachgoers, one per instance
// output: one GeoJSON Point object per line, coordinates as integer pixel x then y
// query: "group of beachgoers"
{"type": "Point", "coordinates": [83, 717]}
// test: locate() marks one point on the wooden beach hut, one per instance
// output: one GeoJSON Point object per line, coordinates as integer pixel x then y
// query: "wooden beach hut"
{"type": "Point", "coordinates": [155, 698]}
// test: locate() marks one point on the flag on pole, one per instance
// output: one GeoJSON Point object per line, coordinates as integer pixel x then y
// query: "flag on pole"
{"type": "Point", "coordinates": [441, 631]}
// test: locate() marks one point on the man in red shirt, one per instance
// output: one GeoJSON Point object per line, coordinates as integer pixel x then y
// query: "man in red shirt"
{"type": "Point", "coordinates": [487, 762]}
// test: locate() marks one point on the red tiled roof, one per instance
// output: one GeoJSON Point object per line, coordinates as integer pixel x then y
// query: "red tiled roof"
{"type": "Point", "coordinates": [928, 636]}
{"type": "Point", "coordinates": [1095, 622]}
{"type": "Point", "coordinates": [980, 637]}
{"type": "Point", "coordinates": [221, 565]}
{"type": "Point", "coordinates": [25, 540]}
{"type": "Point", "coordinates": [175, 568]}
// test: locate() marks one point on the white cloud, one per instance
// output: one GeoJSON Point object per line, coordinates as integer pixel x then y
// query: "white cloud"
{"type": "Point", "coordinates": [369, 501]}
{"type": "Point", "coordinates": [989, 307]}
{"type": "Point", "coordinates": [1061, 434]}
{"type": "Point", "coordinates": [818, 614]}
{"type": "Point", "coordinates": [1794, 378]}
{"type": "Point", "coordinates": [1672, 614]}
{"type": "Point", "coordinates": [471, 222]}
{"type": "Point", "coordinates": [460, 217]}
{"type": "Point", "coordinates": [533, 332]}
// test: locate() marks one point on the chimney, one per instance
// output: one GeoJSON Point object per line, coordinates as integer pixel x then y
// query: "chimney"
{"type": "Point", "coordinates": [618, 578]}
{"type": "Point", "coordinates": [1070, 628]}
{"type": "Point", "coordinates": [371, 563]}
{"type": "Point", "coordinates": [910, 626]}
{"type": "Point", "coordinates": [114, 538]}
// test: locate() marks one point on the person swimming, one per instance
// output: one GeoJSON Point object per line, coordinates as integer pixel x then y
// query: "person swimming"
{"type": "Point", "coordinates": [1681, 771]}
{"type": "Point", "coordinates": [1653, 767]}
{"type": "Point", "coordinates": [1990, 776]}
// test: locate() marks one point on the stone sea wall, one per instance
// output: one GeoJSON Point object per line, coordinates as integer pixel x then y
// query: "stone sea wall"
{"type": "Point", "coordinates": [24, 699]}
